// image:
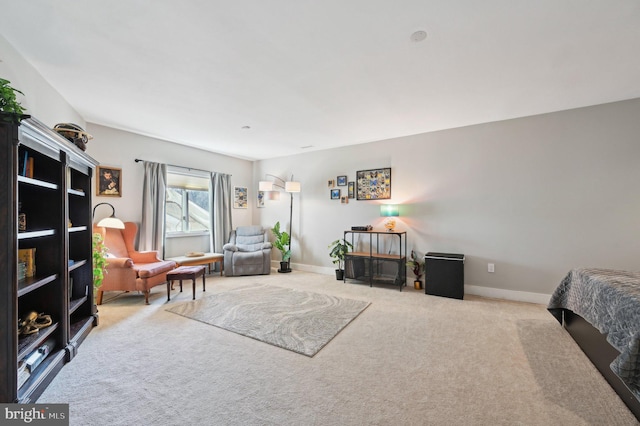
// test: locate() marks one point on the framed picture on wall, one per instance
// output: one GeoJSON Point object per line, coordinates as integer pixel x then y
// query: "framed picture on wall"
{"type": "Point", "coordinates": [109, 181]}
{"type": "Point", "coordinates": [239, 197]}
{"type": "Point", "coordinates": [260, 199]}
{"type": "Point", "coordinates": [374, 184]}
{"type": "Point", "coordinates": [342, 180]}
{"type": "Point", "coordinates": [335, 194]}
{"type": "Point", "coordinates": [351, 191]}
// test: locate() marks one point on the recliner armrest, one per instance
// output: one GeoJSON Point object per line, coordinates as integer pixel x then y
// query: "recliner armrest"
{"type": "Point", "coordinates": [230, 247]}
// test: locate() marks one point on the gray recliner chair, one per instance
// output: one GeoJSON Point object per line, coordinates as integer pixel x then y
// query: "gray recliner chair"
{"type": "Point", "coordinates": [248, 252]}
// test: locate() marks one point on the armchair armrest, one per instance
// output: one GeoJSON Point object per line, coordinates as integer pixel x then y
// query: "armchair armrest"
{"type": "Point", "coordinates": [230, 247]}
{"type": "Point", "coordinates": [119, 262]}
{"type": "Point", "coordinates": [266, 246]}
{"type": "Point", "coordinates": [145, 256]}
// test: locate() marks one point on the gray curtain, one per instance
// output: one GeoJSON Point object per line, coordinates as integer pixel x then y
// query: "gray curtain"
{"type": "Point", "coordinates": [154, 190]}
{"type": "Point", "coordinates": [220, 214]}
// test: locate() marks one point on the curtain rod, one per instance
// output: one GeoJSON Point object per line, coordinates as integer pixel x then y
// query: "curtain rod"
{"type": "Point", "coordinates": [137, 160]}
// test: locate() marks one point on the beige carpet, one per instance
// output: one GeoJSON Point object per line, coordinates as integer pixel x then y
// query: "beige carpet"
{"type": "Point", "coordinates": [408, 359]}
{"type": "Point", "coordinates": [300, 321]}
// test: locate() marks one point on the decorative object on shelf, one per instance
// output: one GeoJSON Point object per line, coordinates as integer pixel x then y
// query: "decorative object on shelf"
{"type": "Point", "coordinates": [282, 243]}
{"type": "Point", "coordinates": [22, 219]}
{"type": "Point", "coordinates": [291, 187]}
{"type": "Point", "coordinates": [109, 182]}
{"type": "Point", "coordinates": [342, 181]}
{"type": "Point", "coordinates": [374, 184]}
{"type": "Point", "coordinates": [239, 197]}
{"type": "Point", "coordinates": [74, 134]}
{"type": "Point", "coordinates": [28, 257]}
{"type": "Point", "coordinates": [416, 263]}
{"type": "Point", "coordinates": [389, 211]}
{"type": "Point", "coordinates": [111, 221]}
{"type": "Point", "coordinates": [351, 191]}
{"type": "Point", "coordinates": [99, 261]}
{"type": "Point", "coordinates": [11, 110]}
{"type": "Point", "coordinates": [335, 194]}
{"type": "Point", "coordinates": [339, 249]}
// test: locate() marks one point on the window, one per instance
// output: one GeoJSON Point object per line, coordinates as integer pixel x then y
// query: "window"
{"type": "Point", "coordinates": [187, 202]}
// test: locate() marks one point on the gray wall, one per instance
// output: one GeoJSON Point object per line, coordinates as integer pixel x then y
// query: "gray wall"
{"type": "Point", "coordinates": [117, 148]}
{"type": "Point", "coordinates": [40, 99]}
{"type": "Point", "coordinates": [536, 196]}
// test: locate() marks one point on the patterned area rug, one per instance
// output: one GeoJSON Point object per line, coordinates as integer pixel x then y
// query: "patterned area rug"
{"type": "Point", "coordinates": [299, 321]}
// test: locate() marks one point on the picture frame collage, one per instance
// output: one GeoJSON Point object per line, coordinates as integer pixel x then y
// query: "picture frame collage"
{"type": "Point", "coordinates": [372, 184]}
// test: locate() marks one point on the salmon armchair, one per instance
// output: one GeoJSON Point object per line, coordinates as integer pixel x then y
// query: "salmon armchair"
{"type": "Point", "coordinates": [127, 268]}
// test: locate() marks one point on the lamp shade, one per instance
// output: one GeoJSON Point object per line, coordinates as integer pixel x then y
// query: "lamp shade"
{"type": "Point", "coordinates": [388, 210]}
{"type": "Point", "coordinates": [292, 186]}
{"type": "Point", "coordinates": [111, 222]}
{"type": "Point", "coordinates": [265, 185]}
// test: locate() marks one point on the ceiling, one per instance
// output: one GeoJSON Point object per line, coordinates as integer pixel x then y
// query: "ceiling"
{"type": "Point", "coordinates": [258, 79]}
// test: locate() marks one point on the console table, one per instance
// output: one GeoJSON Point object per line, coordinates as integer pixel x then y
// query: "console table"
{"type": "Point", "coordinates": [369, 265]}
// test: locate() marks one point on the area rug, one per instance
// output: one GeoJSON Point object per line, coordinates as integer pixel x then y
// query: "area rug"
{"type": "Point", "coordinates": [299, 321]}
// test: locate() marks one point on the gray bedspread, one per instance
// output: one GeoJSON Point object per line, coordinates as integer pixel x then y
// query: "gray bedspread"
{"type": "Point", "coordinates": [610, 301]}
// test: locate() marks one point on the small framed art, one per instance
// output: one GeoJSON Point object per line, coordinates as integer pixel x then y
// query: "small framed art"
{"type": "Point", "coordinates": [109, 181]}
{"type": "Point", "coordinates": [335, 194]}
{"type": "Point", "coordinates": [342, 181]}
{"type": "Point", "coordinates": [239, 197]}
{"type": "Point", "coordinates": [260, 199]}
{"type": "Point", "coordinates": [351, 191]}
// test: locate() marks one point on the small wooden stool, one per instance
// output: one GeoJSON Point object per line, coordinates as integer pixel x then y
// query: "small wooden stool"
{"type": "Point", "coordinates": [185, 273]}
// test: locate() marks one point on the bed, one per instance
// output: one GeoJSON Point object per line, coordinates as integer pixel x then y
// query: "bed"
{"type": "Point", "coordinates": [600, 308]}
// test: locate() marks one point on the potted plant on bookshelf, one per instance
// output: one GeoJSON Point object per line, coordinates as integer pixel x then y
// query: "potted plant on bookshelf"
{"type": "Point", "coordinates": [339, 250]}
{"type": "Point", "coordinates": [417, 266]}
{"type": "Point", "coordinates": [99, 262]}
{"type": "Point", "coordinates": [11, 111]}
{"type": "Point", "coordinates": [282, 243]}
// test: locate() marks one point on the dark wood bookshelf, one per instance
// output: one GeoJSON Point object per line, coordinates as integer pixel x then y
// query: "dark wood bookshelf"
{"type": "Point", "coordinates": [54, 201]}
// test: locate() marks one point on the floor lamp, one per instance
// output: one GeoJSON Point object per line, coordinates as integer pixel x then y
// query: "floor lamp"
{"type": "Point", "coordinates": [289, 186]}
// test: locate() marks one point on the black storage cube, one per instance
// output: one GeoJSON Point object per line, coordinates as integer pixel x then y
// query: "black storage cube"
{"type": "Point", "coordinates": [444, 274]}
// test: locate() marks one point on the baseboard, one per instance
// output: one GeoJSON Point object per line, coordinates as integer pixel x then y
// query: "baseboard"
{"type": "Point", "coordinates": [500, 293]}
{"type": "Point", "coordinates": [494, 293]}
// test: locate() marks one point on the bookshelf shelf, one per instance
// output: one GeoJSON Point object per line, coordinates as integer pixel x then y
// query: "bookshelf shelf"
{"type": "Point", "coordinates": [37, 169]}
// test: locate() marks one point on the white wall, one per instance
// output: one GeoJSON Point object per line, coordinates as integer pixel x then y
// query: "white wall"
{"type": "Point", "coordinates": [40, 99]}
{"type": "Point", "coordinates": [536, 196]}
{"type": "Point", "coordinates": [117, 148]}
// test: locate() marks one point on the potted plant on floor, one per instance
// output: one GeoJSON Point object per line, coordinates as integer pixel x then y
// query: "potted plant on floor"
{"type": "Point", "coordinates": [416, 264]}
{"type": "Point", "coordinates": [10, 109]}
{"type": "Point", "coordinates": [339, 250]}
{"type": "Point", "coordinates": [282, 243]}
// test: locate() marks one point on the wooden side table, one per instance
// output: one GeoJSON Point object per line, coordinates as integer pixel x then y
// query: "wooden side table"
{"type": "Point", "coordinates": [185, 273]}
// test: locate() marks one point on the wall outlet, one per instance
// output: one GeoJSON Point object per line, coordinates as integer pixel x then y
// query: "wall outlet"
{"type": "Point", "coordinates": [491, 267]}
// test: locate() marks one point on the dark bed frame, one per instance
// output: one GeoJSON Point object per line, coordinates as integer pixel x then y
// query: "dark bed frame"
{"type": "Point", "coordinates": [594, 344]}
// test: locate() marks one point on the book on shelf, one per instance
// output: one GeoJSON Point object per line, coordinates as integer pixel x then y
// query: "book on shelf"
{"type": "Point", "coordinates": [29, 168]}
{"type": "Point", "coordinates": [28, 256]}
{"type": "Point", "coordinates": [26, 165]}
